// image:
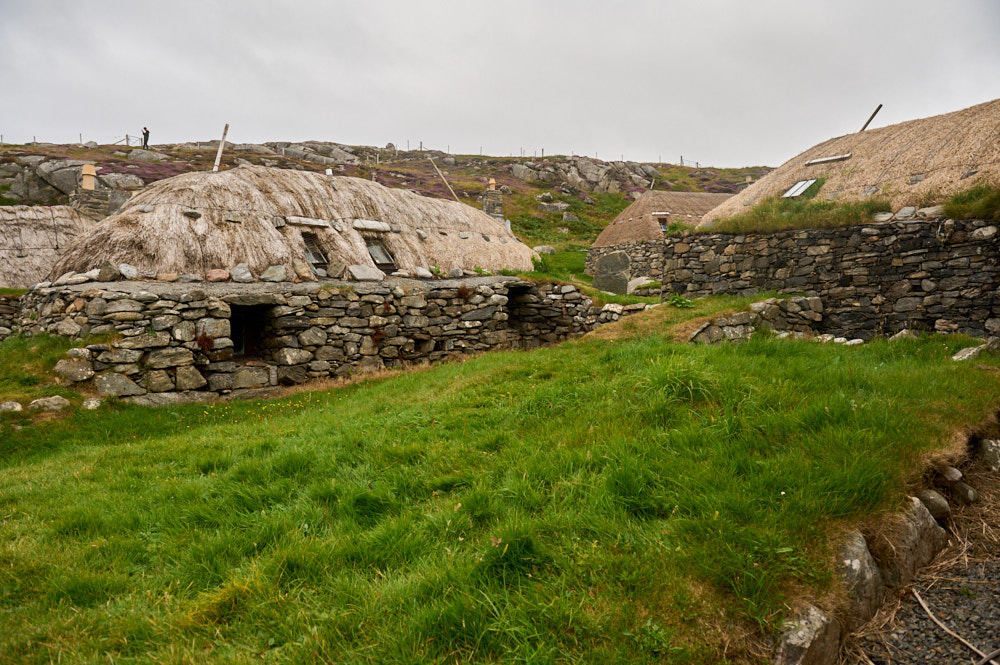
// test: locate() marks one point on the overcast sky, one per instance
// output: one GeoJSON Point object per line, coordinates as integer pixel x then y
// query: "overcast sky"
{"type": "Point", "coordinates": [724, 82]}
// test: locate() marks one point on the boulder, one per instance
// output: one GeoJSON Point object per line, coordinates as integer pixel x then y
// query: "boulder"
{"type": "Point", "coordinates": [115, 384]}
{"type": "Point", "coordinates": [189, 378]}
{"type": "Point", "coordinates": [250, 377]}
{"type": "Point", "coordinates": [522, 172]}
{"type": "Point", "coordinates": [302, 270]}
{"type": "Point", "coordinates": [916, 541]}
{"type": "Point", "coordinates": [862, 578]}
{"type": "Point", "coordinates": [289, 356]}
{"type": "Point", "coordinates": [241, 273]}
{"type": "Point", "coordinates": [363, 273]}
{"type": "Point", "coordinates": [126, 181]}
{"type": "Point", "coordinates": [556, 206]}
{"type": "Point", "coordinates": [544, 249]}
{"type": "Point", "coordinates": [54, 403]}
{"type": "Point", "coordinates": [109, 272]}
{"type": "Point", "coordinates": [422, 273]}
{"type": "Point", "coordinates": [141, 155]}
{"type": "Point", "coordinates": [74, 369]}
{"type": "Point", "coordinates": [936, 504]}
{"type": "Point", "coordinates": [276, 273]}
{"type": "Point", "coordinates": [217, 275]}
{"type": "Point", "coordinates": [91, 403]}
{"type": "Point", "coordinates": [128, 272]}
{"type": "Point", "coordinates": [812, 639]}
{"type": "Point", "coordinates": [170, 356]}
{"type": "Point", "coordinates": [290, 376]}
{"type": "Point", "coordinates": [11, 406]}
{"type": "Point", "coordinates": [159, 381]}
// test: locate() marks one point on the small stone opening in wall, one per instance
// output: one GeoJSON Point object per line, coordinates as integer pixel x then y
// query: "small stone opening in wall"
{"type": "Point", "coordinates": [518, 297]}
{"type": "Point", "coordinates": [248, 325]}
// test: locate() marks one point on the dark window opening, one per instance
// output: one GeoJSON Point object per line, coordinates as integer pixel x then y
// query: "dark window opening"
{"type": "Point", "coordinates": [381, 256]}
{"type": "Point", "coordinates": [663, 224]}
{"type": "Point", "coordinates": [248, 327]}
{"type": "Point", "coordinates": [314, 252]}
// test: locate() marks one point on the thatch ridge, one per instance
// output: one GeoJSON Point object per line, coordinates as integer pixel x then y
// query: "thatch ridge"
{"type": "Point", "coordinates": [32, 239]}
{"type": "Point", "coordinates": [918, 162]}
{"type": "Point", "coordinates": [637, 222]}
{"type": "Point", "coordinates": [152, 232]}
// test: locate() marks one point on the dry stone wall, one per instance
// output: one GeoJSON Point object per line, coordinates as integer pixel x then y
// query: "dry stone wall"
{"type": "Point", "coordinates": [178, 338]}
{"type": "Point", "coordinates": [875, 279]}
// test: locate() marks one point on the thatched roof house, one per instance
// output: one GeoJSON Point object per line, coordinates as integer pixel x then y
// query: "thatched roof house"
{"type": "Point", "coordinates": [912, 163]}
{"type": "Point", "coordinates": [653, 212]}
{"type": "Point", "coordinates": [261, 216]}
{"type": "Point", "coordinates": [32, 238]}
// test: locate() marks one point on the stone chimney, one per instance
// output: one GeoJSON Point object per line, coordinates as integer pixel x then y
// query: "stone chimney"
{"type": "Point", "coordinates": [493, 201]}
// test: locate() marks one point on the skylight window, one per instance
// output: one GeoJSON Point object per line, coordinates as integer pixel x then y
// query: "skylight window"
{"type": "Point", "coordinates": [314, 253]}
{"type": "Point", "coordinates": [798, 189]}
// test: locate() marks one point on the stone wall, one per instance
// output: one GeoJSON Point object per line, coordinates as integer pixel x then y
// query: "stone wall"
{"type": "Point", "coordinates": [875, 279]}
{"type": "Point", "coordinates": [8, 314]}
{"type": "Point", "coordinates": [171, 337]}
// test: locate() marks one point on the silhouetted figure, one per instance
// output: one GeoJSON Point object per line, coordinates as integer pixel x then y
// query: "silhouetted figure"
{"type": "Point", "coordinates": [145, 138]}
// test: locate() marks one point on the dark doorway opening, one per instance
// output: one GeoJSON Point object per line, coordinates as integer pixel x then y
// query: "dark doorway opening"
{"type": "Point", "coordinates": [248, 326]}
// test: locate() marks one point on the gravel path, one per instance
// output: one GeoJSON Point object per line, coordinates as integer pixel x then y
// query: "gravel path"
{"type": "Point", "coordinates": [962, 589]}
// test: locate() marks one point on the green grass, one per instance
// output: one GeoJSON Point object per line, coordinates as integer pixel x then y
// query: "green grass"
{"type": "Point", "coordinates": [979, 202]}
{"type": "Point", "coordinates": [26, 366]}
{"type": "Point", "coordinates": [802, 212]}
{"type": "Point", "coordinates": [630, 501]}
{"type": "Point", "coordinates": [6, 200]}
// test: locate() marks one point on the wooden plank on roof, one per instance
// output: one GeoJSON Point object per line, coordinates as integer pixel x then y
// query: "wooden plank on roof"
{"type": "Point", "coordinates": [828, 160]}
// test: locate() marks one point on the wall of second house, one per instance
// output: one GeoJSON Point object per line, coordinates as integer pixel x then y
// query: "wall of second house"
{"type": "Point", "coordinates": [925, 275]}
{"type": "Point", "coordinates": [180, 338]}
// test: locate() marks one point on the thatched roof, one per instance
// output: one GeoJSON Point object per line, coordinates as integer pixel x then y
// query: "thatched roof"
{"type": "Point", "coordinates": [32, 238]}
{"type": "Point", "coordinates": [196, 222]}
{"type": "Point", "coordinates": [920, 162]}
{"type": "Point", "coordinates": [638, 221]}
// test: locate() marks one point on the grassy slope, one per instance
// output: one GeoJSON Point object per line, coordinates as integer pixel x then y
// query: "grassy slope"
{"type": "Point", "coordinates": [629, 500]}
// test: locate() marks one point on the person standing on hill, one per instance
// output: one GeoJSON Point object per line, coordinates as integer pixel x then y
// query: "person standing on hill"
{"type": "Point", "coordinates": [145, 138]}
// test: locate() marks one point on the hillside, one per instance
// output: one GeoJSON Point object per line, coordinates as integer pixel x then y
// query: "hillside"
{"type": "Point", "coordinates": [594, 191]}
{"type": "Point", "coordinates": [471, 512]}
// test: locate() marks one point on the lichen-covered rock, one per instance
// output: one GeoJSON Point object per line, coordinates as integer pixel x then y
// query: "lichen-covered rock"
{"type": "Point", "coordinates": [54, 403]}
{"type": "Point", "coordinates": [117, 385]}
{"type": "Point", "coordinates": [811, 639]}
{"type": "Point", "coordinates": [862, 578]}
{"type": "Point", "coordinates": [74, 369]}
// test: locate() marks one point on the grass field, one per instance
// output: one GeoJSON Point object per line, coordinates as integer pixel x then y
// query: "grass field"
{"type": "Point", "coordinates": [615, 499]}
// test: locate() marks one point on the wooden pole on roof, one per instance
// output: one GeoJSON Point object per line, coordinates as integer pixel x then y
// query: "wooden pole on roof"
{"type": "Point", "coordinates": [443, 178]}
{"type": "Point", "coordinates": [222, 144]}
{"type": "Point", "coordinates": [871, 118]}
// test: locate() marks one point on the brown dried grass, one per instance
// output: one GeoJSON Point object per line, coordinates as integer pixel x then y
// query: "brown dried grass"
{"type": "Point", "coordinates": [165, 240]}
{"type": "Point", "coordinates": [941, 149]}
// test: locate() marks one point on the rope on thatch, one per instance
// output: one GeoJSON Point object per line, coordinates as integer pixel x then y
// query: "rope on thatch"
{"type": "Point", "coordinates": [55, 229]}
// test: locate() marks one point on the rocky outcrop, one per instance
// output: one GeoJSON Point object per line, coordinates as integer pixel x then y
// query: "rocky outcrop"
{"type": "Point", "coordinates": [584, 173]}
{"type": "Point", "coordinates": [36, 179]}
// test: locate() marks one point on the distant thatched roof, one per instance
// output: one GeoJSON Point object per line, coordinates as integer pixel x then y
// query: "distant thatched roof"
{"type": "Point", "coordinates": [638, 221]}
{"type": "Point", "coordinates": [915, 162]}
{"type": "Point", "coordinates": [32, 238]}
{"type": "Point", "coordinates": [196, 222]}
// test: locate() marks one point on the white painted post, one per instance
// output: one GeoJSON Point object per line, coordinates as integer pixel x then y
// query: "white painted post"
{"type": "Point", "coordinates": [222, 144]}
